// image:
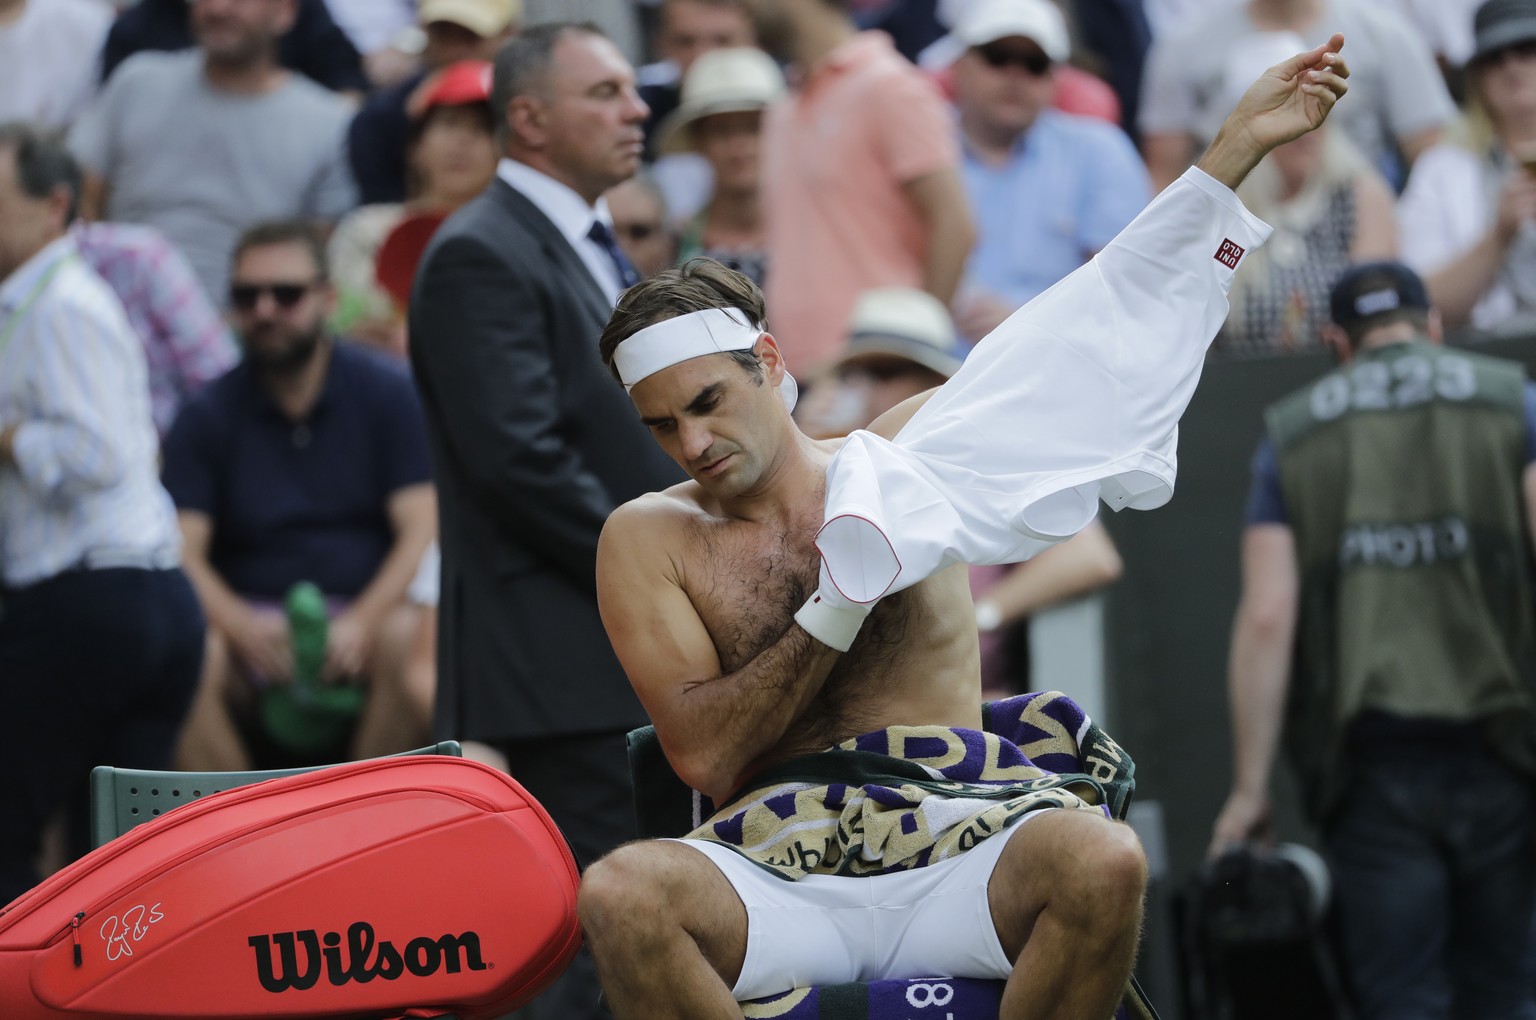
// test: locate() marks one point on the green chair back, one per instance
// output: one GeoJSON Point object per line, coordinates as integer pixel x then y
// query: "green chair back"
{"type": "Point", "coordinates": [123, 798]}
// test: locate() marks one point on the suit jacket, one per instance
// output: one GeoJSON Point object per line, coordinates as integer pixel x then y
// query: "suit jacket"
{"type": "Point", "coordinates": [534, 443]}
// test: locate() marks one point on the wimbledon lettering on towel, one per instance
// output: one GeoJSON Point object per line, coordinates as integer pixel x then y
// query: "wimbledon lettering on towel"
{"type": "Point", "coordinates": [423, 957]}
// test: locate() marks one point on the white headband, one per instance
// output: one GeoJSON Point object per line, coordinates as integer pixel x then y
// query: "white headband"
{"type": "Point", "coordinates": [684, 337]}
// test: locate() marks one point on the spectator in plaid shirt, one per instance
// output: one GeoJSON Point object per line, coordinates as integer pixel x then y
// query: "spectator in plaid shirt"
{"type": "Point", "coordinates": [185, 341]}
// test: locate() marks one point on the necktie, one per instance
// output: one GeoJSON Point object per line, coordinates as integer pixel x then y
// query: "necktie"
{"type": "Point", "coordinates": [621, 264]}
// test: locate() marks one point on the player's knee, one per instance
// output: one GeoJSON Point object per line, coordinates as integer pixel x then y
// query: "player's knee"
{"type": "Point", "coordinates": [1092, 872]}
{"type": "Point", "coordinates": [388, 649]}
{"type": "Point", "coordinates": [621, 891]}
{"type": "Point", "coordinates": [1108, 872]}
{"type": "Point", "coordinates": [1122, 860]}
{"type": "Point", "coordinates": [394, 635]}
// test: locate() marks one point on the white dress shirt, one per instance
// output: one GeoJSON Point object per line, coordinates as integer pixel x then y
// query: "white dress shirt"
{"type": "Point", "coordinates": [84, 490]}
{"type": "Point", "coordinates": [49, 60]}
{"type": "Point", "coordinates": [571, 215]}
{"type": "Point", "coordinates": [1451, 201]}
{"type": "Point", "coordinates": [1074, 399]}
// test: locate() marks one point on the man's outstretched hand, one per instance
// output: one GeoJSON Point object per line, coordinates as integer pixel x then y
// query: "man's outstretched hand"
{"type": "Point", "coordinates": [1287, 101]}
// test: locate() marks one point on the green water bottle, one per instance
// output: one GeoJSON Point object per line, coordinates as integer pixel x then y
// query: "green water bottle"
{"type": "Point", "coordinates": [310, 717]}
{"type": "Point", "coordinates": [308, 624]}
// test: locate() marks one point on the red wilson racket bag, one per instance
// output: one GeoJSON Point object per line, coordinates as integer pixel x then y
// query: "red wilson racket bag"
{"type": "Point", "coordinates": [423, 885]}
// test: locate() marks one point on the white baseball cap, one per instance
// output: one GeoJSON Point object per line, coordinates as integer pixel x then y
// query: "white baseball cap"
{"type": "Point", "coordinates": [986, 21]}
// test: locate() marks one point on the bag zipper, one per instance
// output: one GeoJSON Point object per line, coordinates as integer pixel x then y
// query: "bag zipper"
{"type": "Point", "coordinates": [74, 926]}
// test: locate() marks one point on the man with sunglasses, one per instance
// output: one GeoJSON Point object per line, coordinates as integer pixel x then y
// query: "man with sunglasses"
{"type": "Point", "coordinates": [1048, 188]}
{"type": "Point", "coordinates": [306, 462]}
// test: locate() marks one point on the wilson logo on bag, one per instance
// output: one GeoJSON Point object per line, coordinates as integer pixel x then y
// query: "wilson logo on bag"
{"type": "Point", "coordinates": [377, 888]}
{"type": "Point", "coordinates": [422, 956]}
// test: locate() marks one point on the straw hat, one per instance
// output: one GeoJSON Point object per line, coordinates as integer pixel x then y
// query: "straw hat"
{"type": "Point", "coordinates": [485, 18]}
{"type": "Point", "coordinates": [905, 323]}
{"type": "Point", "coordinates": [721, 81]}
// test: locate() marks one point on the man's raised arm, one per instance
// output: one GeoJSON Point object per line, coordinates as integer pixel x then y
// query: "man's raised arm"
{"type": "Point", "coordinates": [1076, 398]}
{"type": "Point", "coordinates": [712, 724]}
{"type": "Point", "coordinates": [1286, 102]}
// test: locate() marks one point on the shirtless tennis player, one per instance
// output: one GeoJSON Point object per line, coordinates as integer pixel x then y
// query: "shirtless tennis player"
{"type": "Point", "coordinates": [709, 592]}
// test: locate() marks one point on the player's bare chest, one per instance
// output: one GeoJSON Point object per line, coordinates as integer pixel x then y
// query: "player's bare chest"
{"type": "Point", "coordinates": [746, 581]}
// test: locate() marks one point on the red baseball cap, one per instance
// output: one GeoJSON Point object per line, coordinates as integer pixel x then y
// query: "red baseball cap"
{"type": "Point", "coordinates": [460, 84]}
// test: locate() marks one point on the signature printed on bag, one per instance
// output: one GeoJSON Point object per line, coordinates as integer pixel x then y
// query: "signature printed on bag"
{"type": "Point", "coordinates": [121, 931]}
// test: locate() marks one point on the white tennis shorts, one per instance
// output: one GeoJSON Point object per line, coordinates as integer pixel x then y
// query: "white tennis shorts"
{"type": "Point", "coordinates": [829, 930]}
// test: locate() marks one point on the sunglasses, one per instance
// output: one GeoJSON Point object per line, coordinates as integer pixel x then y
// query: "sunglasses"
{"type": "Point", "coordinates": [246, 296]}
{"type": "Point", "coordinates": [998, 57]}
{"type": "Point", "coordinates": [637, 231]}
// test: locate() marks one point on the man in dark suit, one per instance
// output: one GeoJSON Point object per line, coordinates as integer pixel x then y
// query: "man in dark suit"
{"type": "Point", "coordinates": [534, 443]}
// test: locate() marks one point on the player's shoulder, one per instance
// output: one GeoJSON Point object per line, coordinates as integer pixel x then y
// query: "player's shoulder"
{"type": "Point", "coordinates": [656, 515]}
{"type": "Point", "coordinates": [650, 536]}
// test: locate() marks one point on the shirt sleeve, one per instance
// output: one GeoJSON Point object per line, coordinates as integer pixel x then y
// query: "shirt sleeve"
{"type": "Point", "coordinates": [408, 462]}
{"type": "Point", "coordinates": [1266, 503]}
{"type": "Point", "coordinates": [914, 131]}
{"type": "Point", "coordinates": [199, 343]}
{"type": "Point", "coordinates": [426, 586]}
{"type": "Point", "coordinates": [76, 361]}
{"type": "Point", "coordinates": [334, 193]}
{"type": "Point", "coordinates": [1119, 190]}
{"type": "Point", "coordinates": [93, 138]}
{"type": "Point", "coordinates": [189, 457]}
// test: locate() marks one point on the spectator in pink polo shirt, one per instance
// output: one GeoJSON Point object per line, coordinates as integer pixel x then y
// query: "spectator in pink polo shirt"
{"type": "Point", "coordinates": [861, 186]}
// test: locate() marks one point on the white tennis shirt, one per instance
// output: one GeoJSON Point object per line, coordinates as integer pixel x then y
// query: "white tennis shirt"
{"type": "Point", "coordinates": [1074, 399]}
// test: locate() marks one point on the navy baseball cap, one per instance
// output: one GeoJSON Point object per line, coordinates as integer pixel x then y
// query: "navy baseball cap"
{"type": "Point", "coordinates": [1373, 289]}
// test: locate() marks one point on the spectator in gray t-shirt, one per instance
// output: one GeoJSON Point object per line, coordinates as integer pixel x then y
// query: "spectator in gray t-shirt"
{"type": "Point", "coordinates": [206, 142]}
{"type": "Point", "coordinates": [1398, 104]}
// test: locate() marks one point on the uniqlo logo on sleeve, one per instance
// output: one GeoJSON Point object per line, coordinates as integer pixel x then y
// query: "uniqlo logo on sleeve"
{"type": "Point", "coordinates": [1230, 253]}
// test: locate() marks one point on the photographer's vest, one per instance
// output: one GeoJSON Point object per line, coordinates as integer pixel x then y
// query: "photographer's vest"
{"type": "Point", "coordinates": [1401, 475]}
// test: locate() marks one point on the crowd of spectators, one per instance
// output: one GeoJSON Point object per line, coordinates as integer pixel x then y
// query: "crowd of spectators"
{"type": "Point", "coordinates": [257, 182]}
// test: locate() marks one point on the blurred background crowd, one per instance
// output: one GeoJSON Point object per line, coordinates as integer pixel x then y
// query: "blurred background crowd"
{"type": "Point", "coordinates": [215, 216]}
